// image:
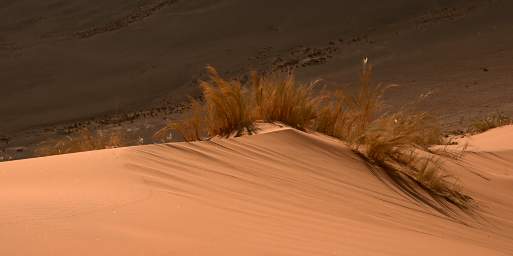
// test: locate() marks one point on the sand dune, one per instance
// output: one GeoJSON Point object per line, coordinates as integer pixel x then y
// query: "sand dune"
{"type": "Point", "coordinates": [279, 193]}
{"type": "Point", "coordinates": [497, 139]}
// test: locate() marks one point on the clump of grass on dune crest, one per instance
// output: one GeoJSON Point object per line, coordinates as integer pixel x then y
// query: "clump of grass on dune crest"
{"type": "Point", "coordinates": [391, 142]}
{"type": "Point", "coordinates": [365, 105]}
{"type": "Point", "coordinates": [418, 130]}
{"type": "Point", "coordinates": [281, 99]}
{"type": "Point", "coordinates": [332, 115]}
{"type": "Point", "coordinates": [398, 143]}
{"type": "Point", "coordinates": [227, 109]}
{"type": "Point", "coordinates": [83, 140]}
{"type": "Point", "coordinates": [347, 116]}
{"type": "Point", "coordinates": [231, 108]}
{"type": "Point", "coordinates": [228, 106]}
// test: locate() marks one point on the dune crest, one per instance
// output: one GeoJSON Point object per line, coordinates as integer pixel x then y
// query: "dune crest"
{"type": "Point", "coordinates": [282, 192]}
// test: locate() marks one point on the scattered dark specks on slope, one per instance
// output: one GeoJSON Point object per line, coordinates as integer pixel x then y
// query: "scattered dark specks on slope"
{"type": "Point", "coordinates": [448, 13]}
{"type": "Point", "coordinates": [137, 15]}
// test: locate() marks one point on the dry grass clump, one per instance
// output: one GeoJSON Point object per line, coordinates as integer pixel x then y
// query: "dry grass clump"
{"type": "Point", "coordinates": [394, 142]}
{"type": "Point", "coordinates": [418, 130]}
{"type": "Point", "coordinates": [231, 108]}
{"type": "Point", "coordinates": [228, 106]}
{"type": "Point", "coordinates": [83, 140]}
{"type": "Point", "coordinates": [347, 116]}
{"type": "Point", "coordinates": [227, 110]}
{"type": "Point", "coordinates": [398, 143]}
{"type": "Point", "coordinates": [281, 99]}
{"type": "Point", "coordinates": [489, 122]}
{"type": "Point", "coordinates": [364, 106]}
{"type": "Point", "coordinates": [332, 115]}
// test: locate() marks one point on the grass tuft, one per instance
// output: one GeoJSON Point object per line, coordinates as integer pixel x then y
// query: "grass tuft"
{"type": "Point", "coordinates": [347, 116]}
{"type": "Point", "coordinates": [280, 98]}
{"type": "Point", "coordinates": [398, 143]}
{"type": "Point", "coordinates": [228, 106]}
{"type": "Point", "coordinates": [231, 108]}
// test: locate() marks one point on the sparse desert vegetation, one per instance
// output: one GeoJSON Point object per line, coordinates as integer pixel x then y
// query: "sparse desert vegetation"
{"type": "Point", "coordinates": [228, 106]}
{"type": "Point", "coordinates": [400, 145]}
{"type": "Point", "coordinates": [280, 98]}
{"type": "Point", "coordinates": [118, 138]}
{"type": "Point", "coordinates": [396, 143]}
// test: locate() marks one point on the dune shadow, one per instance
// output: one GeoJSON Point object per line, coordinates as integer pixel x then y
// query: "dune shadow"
{"type": "Point", "coordinates": [414, 190]}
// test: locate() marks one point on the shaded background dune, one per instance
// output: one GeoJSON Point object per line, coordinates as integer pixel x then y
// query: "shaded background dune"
{"type": "Point", "coordinates": [280, 193]}
{"type": "Point", "coordinates": [69, 60]}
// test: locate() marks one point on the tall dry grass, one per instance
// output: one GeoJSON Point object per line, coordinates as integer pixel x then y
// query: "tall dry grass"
{"type": "Point", "coordinates": [419, 130]}
{"type": "Point", "coordinates": [348, 116]}
{"type": "Point", "coordinates": [397, 143]}
{"type": "Point", "coordinates": [280, 98]}
{"type": "Point", "coordinates": [400, 144]}
{"type": "Point", "coordinates": [228, 106]}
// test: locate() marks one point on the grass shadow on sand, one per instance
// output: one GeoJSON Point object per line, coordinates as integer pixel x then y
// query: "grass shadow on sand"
{"type": "Point", "coordinates": [412, 189]}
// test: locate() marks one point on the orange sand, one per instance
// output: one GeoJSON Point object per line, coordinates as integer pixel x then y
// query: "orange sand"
{"type": "Point", "coordinates": [280, 193]}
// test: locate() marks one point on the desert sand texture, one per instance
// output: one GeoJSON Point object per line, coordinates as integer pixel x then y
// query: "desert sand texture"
{"type": "Point", "coordinates": [281, 192]}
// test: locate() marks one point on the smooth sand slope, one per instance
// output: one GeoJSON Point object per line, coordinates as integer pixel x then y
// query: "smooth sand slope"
{"type": "Point", "coordinates": [280, 193]}
{"type": "Point", "coordinates": [66, 60]}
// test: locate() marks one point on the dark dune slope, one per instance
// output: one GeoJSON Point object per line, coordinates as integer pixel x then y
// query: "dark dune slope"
{"type": "Point", "coordinates": [65, 60]}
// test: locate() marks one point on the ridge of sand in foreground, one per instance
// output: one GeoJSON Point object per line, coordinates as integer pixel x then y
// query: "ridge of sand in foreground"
{"type": "Point", "coordinates": [279, 193]}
